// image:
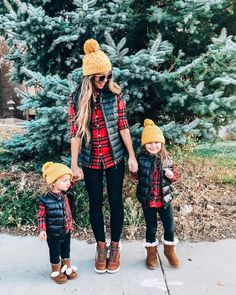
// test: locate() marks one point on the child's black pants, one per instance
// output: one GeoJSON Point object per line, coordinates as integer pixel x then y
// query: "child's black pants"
{"type": "Point", "coordinates": [59, 249]}
{"type": "Point", "coordinates": [167, 219]}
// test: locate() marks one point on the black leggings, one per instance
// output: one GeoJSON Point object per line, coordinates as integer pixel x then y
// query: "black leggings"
{"type": "Point", "coordinates": [59, 248]}
{"type": "Point", "coordinates": [167, 219]}
{"type": "Point", "coordinates": [94, 185]}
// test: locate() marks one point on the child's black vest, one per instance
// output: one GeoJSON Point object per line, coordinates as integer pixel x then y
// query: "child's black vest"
{"type": "Point", "coordinates": [146, 164]}
{"type": "Point", "coordinates": [108, 102]}
{"type": "Point", "coordinates": [55, 213]}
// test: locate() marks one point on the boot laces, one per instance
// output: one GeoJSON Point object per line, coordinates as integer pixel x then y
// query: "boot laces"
{"type": "Point", "coordinates": [102, 254]}
{"type": "Point", "coordinates": [114, 254]}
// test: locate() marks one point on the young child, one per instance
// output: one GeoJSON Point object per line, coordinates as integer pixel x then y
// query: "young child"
{"type": "Point", "coordinates": [56, 209]}
{"type": "Point", "coordinates": [156, 173]}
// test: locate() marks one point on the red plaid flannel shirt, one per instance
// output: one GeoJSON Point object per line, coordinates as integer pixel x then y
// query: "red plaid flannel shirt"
{"type": "Point", "coordinates": [156, 197]}
{"type": "Point", "coordinates": [101, 155]}
{"type": "Point", "coordinates": [42, 216]}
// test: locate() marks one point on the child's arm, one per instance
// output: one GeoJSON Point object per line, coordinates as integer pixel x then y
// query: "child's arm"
{"type": "Point", "coordinates": [71, 198]}
{"type": "Point", "coordinates": [42, 221]}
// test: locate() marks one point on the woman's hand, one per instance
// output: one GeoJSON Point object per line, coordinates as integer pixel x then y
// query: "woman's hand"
{"type": "Point", "coordinates": [77, 173]}
{"type": "Point", "coordinates": [133, 165]}
{"type": "Point", "coordinates": [169, 174]}
{"type": "Point", "coordinates": [43, 235]}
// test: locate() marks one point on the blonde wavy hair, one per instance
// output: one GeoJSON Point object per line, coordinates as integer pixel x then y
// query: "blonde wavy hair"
{"type": "Point", "coordinates": [164, 155]}
{"type": "Point", "coordinates": [86, 94]}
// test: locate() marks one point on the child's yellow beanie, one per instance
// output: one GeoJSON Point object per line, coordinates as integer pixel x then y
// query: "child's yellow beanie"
{"type": "Point", "coordinates": [52, 171]}
{"type": "Point", "coordinates": [151, 133]}
{"type": "Point", "coordinates": [95, 61]}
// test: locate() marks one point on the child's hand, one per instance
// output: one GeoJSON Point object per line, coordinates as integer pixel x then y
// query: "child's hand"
{"type": "Point", "coordinates": [43, 235]}
{"type": "Point", "coordinates": [169, 174]}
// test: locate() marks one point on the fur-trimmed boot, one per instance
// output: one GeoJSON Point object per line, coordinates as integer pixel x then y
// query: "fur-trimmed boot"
{"type": "Point", "coordinates": [170, 252]}
{"type": "Point", "coordinates": [68, 269]}
{"type": "Point", "coordinates": [57, 276]}
{"type": "Point", "coordinates": [151, 259]}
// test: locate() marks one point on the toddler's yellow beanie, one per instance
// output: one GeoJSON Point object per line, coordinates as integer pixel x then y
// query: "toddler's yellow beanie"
{"type": "Point", "coordinates": [151, 133]}
{"type": "Point", "coordinates": [52, 171]}
{"type": "Point", "coordinates": [95, 61]}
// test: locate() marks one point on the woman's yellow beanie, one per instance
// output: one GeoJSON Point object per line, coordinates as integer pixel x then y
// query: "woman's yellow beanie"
{"type": "Point", "coordinates": [52, 171]}
{"type": "Point", "coordinates": [95, 61]}
{"type": "Point", "coordinates": [151, 133]}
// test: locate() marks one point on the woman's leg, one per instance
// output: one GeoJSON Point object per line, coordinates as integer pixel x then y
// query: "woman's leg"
{"type": "Point", "coordinates": [94, 185]}
{"type": "Point", "coordinates": [115, 177]}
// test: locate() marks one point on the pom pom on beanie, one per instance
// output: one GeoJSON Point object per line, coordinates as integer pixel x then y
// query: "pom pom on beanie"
{"type": "Point", "coordinates": [95, 61]}
{"type": "Point", "coordinates": [90, 46]}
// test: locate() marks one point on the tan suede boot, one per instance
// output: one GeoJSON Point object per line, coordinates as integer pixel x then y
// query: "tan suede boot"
{"type": "Point", "coordinates": [68, 270]}
{"type": "Point", "coordinates": [170, 253]}
{"type": "Point", "coordinates": [151, 259]}
{"type": "Point", "coordinates": [57, 276]}
{"type": "Point", "coordinates": [114, 258]}
{"type": "Point", "coordinates": [101, 258]}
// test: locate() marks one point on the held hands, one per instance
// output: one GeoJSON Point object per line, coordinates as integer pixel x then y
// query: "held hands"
{"type": "Point", "coordinates": [133, 165]}
{"type": "Point", "coordinates": [169, 174]}
{"type": "Point", "coordinates": [43, 235]}
{"type": "Point", "coordinates": [77, 173]}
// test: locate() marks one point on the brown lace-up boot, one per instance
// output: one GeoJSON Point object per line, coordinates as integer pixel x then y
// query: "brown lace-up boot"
{"type": "Point", "coordinates": [68, 270]}
{"type": "Point", "coordinates": [170, 253]}
{"type": "Point", "coordinates": [114, 258]}
{"type": "Point", "coordinates": [151, 260]}
{"type": "Point", "coordinates": [56, 274]}
{"type": "Point", "coordinates": [101, 258]}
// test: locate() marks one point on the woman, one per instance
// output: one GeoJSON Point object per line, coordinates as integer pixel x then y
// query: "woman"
{"type": "Point", "coordinates": [100, 138]}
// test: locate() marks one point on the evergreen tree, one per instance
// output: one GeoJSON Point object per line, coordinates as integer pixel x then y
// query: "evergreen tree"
{"type": "Point", "coordinates": [186, 84]}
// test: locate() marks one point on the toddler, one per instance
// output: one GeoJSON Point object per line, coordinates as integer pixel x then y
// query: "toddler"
{"type": "Point", "coordinates": [56, 209]}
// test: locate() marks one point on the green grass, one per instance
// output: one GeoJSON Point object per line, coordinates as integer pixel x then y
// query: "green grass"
{"type": "Point", "coordinates": [221, 152]}
{"type": "Point", "coordinates": [231, 180]}
{"type": "Point", "coordinates": [220, 157]}
{"type": "Point", "coordinates": [226, 149]}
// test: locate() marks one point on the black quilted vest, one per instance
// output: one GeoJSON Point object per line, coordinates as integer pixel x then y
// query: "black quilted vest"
{"type": "Point", "coordinates": [55, 213]}
{"type": "Point", "coordinates": [146, 164]}
{"type": "Point", "coordinates": [108, 102]}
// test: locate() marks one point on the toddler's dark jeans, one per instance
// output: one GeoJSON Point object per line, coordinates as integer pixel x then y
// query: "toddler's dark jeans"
{"type": "Point", "coordinates": [59, 248]}
{"type": "Point", "coordinates": [167, 219]}
{"type": "Point", "coordinates": [94, 185]}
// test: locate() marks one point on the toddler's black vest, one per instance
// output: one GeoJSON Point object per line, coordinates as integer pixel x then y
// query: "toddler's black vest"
{"type": "Point", "coordinates": [55, 215]}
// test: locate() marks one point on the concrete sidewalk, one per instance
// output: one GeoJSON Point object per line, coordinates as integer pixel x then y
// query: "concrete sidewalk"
{"type": "Point", "coordinates": [207, 268]}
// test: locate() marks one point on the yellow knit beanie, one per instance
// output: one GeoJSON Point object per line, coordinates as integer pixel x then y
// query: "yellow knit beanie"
{"type": "Point", "coordinates": [151, 133]}
{"type": "Point", "coordinates": [52, 171]}
{"type": "Point", "coordinates": [95, 61]}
